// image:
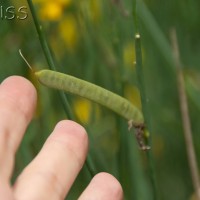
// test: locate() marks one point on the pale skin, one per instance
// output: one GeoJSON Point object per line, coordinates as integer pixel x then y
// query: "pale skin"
{"type": "Point", "coordinates": [52, 172]}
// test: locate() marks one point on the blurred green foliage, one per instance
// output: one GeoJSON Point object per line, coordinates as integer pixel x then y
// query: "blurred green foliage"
{"type": "Point", "coordinates": [94, 40]}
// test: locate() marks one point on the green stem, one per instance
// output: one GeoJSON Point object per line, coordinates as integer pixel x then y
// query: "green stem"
{"type": "Point", "coordinates": [154, 31]}
{"type": "Point", "coordinates": [50, 60]}
{"type": "Point", "coordinates": [42, 37]}
{"type": "Point", "coordinates": [49, 57]}
{"type": "Point", "coordinates": [145, 110]}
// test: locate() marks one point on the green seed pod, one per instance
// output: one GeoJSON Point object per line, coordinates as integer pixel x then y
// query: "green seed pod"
{"type": "Point", "coordinates": [92, 92]}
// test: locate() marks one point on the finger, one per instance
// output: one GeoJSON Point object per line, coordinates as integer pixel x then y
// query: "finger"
{"type": "Point", "coordinates": [103, 186]}
{"type": "Point", "coordinates": [17, 103]}
{"type": "Point", "coordinates": [52, 172]}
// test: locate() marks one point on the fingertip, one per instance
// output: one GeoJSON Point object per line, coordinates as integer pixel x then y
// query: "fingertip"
{"type": "Point", "coordinates": [21, 91]}
{"type": "Point", "coordinates": [112, 184]}
{"type": "Point", "coordinates": [19, 81]}
{"type": "Point", "coordinates": [71, 126]}
{"type": "Point", "coordinates": [103, 186]}
{"type": "Point", "coordinates": [73, 135]}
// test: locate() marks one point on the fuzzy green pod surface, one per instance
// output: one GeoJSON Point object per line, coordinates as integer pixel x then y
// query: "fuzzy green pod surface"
{"type": "Point", "coordinates": [92, 92]}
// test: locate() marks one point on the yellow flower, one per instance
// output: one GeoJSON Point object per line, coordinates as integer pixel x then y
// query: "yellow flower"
{"type": "Point", "coordinates": [51, 11]}
{"type": "Point", "coordinates": [133, 95]}
{"type": "Point", "coordinates": [82, 110]}
{"type": "Point", "coordinates": [69, 31]}
{"type": "Point", "coordinates": [129, 55]}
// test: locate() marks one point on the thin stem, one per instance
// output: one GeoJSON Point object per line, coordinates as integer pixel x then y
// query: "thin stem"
{"type": "Point", "coordinates": [49, 57]}
{"type": "Point", "coordinates": [50, 60]}
{"type": "Point", "coordinates": [154, 31]}
{"type": "Point", "coordinates": [42, 37]}
{"type": "Point", "coordinates": [140, 77]}
{"type": "Point", "coordinates": [185, 116]}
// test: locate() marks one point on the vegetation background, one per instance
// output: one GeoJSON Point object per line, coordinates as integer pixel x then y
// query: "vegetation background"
{"type": "Point", "coordinates": [94, 40]}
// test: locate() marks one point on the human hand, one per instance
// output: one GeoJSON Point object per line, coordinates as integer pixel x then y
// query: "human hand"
{"type": "Point", "coordinates": [53, 171]}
